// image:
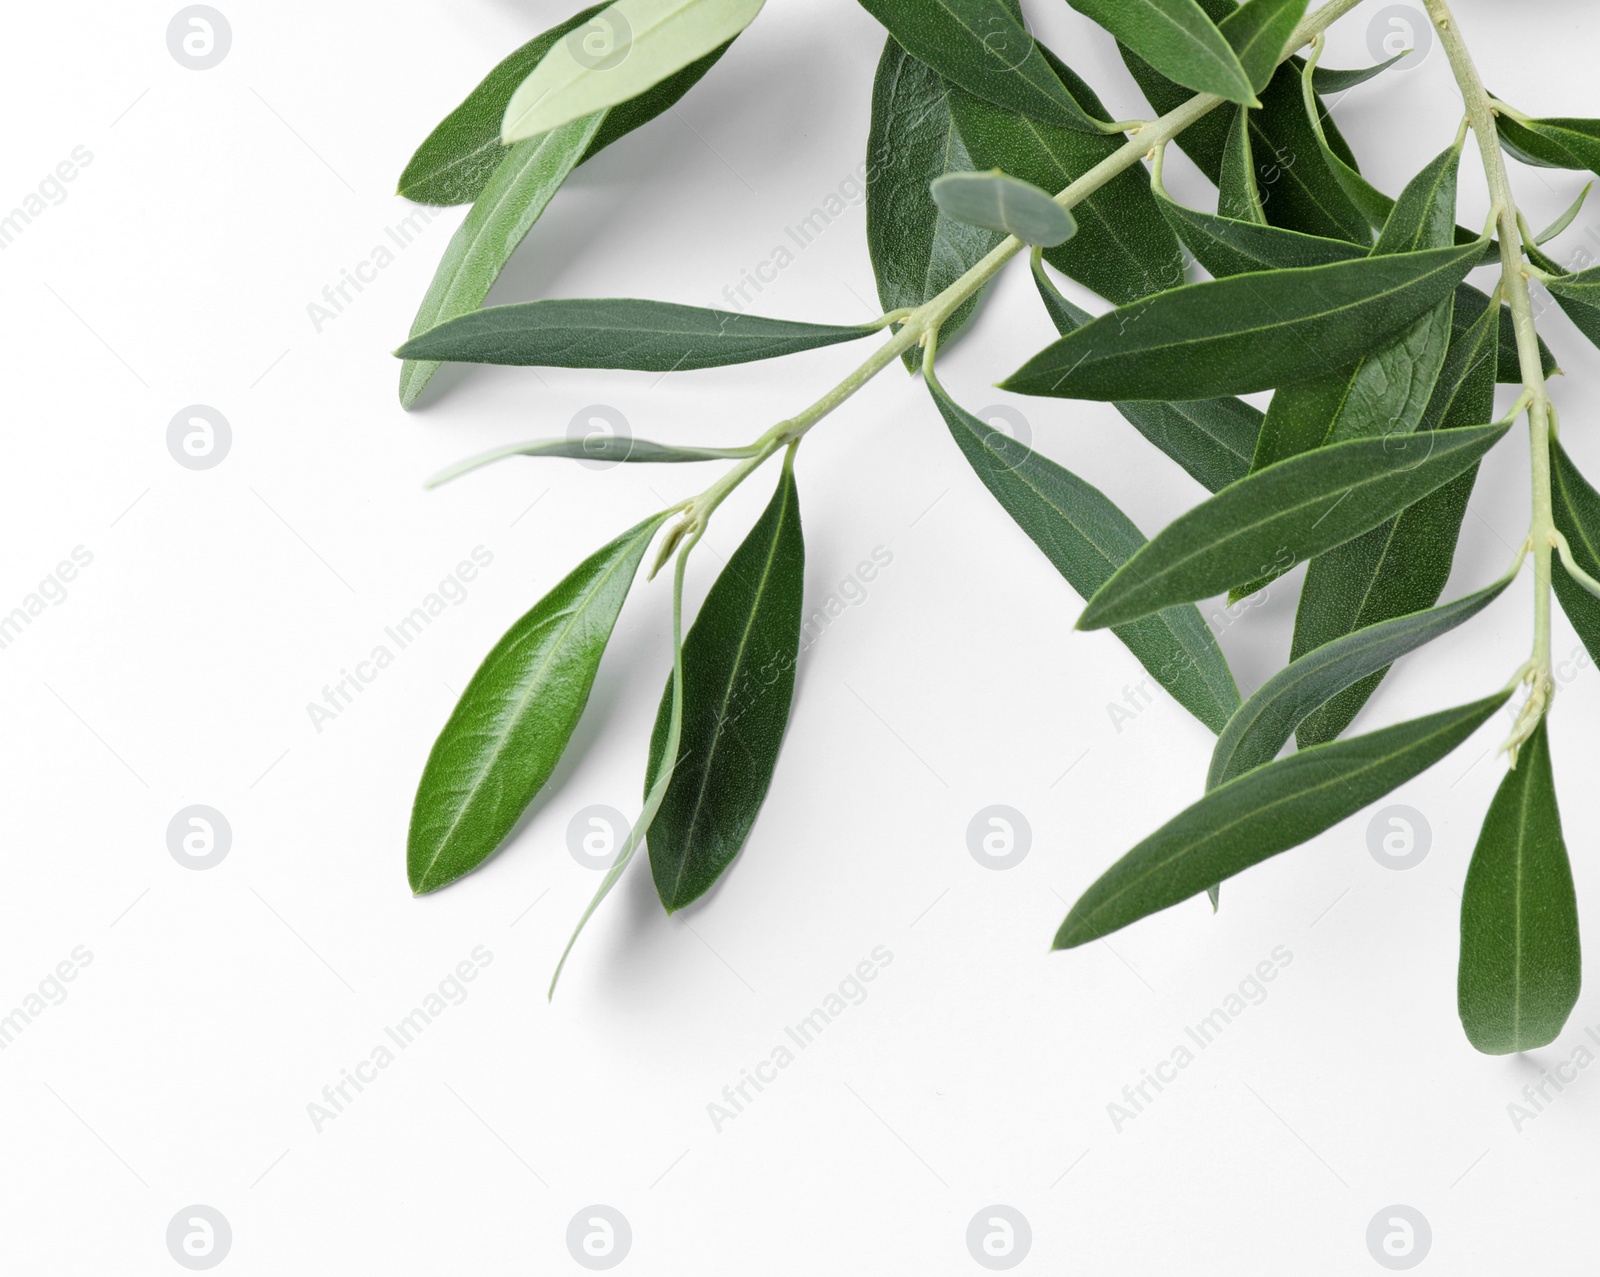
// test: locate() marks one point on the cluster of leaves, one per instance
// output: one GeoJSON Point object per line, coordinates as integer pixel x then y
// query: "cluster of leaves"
{"type": "Point", "coordinates": [1352, 306]}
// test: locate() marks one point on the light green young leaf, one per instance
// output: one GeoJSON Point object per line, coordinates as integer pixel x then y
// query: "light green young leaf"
{"type": "Point", "coordinates": [1246, 333]}
{"type": "Point", "coordinates": [1284, 514]}
{"type": "Point", "coordinates": [997, 201]}
{"type": "Point", "coordinates": [619, 333]}
{"type": "Point", "coordinates": [1521, 966]}
{"type": "Point", "coordinates": [513, 722]}
{"type": "Point", "coordinates": [1123, 249]}
{"type": "Point", "coordinates": [1212, 439]}
{"type": "Point", "coordinates": [1577, 515]}
{"type": "Point", "coordinates": [454, 163]}
{"type": "Point", "coordinates": [596, 447]}
{"type": "Point", "coordinates": [738, 681]}
{"type": "Point", "coordinates": [630, 46]}
{"type": "Point", "coordinates": [1566, 219]}
{"type": "Point", "coordinates": [1263, 812]}
{"type": "Point", "coordinates": [1177, 39]}
{"type": "Point", "coordinates": [1401, 566]}
{"type": "Point", "coordinates": [1265, 722]}
{"type": "Point", "coordinates": [657, 791]}
{"type": "Point", "coordinates": [515, 197]}
{"type": "Point", "coordinates": [917, 252]}
{"type": "Point", "coordinates": [982, 46]}
{"type": "Point", "coordinates": [1086, 538]}
{"type": "Point", "coordinates": [1238, 197]}
{"type": "Point", "coordinates": [1259, 32]}
{"type": "Point", "coordinates": [1327, 80]}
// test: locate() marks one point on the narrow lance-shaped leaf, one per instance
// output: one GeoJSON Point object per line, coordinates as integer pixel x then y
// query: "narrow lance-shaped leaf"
{"type": "Point", "coordinates": [606, 448]}
{"type": "Point", "coordinates": [649, 336]}
{"type": "Point", "coordinates": [1401, 566]}
{"type": "Point", "coordinates": [1330, 81]}
{"type": "Point", "coordinates": [917, 252]}
{"type": "Point", "coordinates": [1268, 719]}
{"type": "Point", "coordinates": [513, 722]}
{"type": "Point", "coordinates": [1259, 32]}
{"type": "Point", "coordinates": [738, 680]}
{"type": "Point", "coordinates": [455, 161]}
{"type": "Point", "coordinates": [1237, 194]}
{"type": "Point", "coordinates": [997, 201]}
{"type": "Point", "coordinates": [1577, 515]}
{"type": "Point", "coordinates": [1246, 333]}
{"type": "Point", "coordinates": [1122, 250]}
{"type": "Point", "coordinates": [1178, 40]}
{"type": "Point", "coordinates": [630, 46]}
{"type": "Point", "coordinates": [1559, 226]}
{"type": "Point", "coordinates": [982, 46]}
{"type": "Point", "coordinates": [1577, 294]}
{"type": "Point", "coordinates": [1212, 439]}
{"type": "Point", "coordinates": [512, 201]}
{"type": "Point", "coordinates": [1521, 966]}
{"type": "Point", "coordinates": [1283, 514]}
{"type": "Point", "coordinates": [1552, 143]}
{"type": "Point", "coordinates": [1263, 812]}
{"type": "Point", "coordinates": [1086, 538]}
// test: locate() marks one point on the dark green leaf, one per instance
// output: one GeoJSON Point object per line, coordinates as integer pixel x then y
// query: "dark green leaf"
{"type": "Point", "coordinates": [1579, 297]}
{"type": "Point", "coordinates": [1087, 538]}
{"type": "Point", "coordinates": [1178, 40]}
{"type": "Point", "coordinates": [619, 333]}
{"type": "Point", "coordinates": [1212, 439]}
{"type": "Point", "coordinates": [1279, 516]}
{"type": "Point", "coordinates": [738, 680]}
{"type": "Point", "coordinates": [982, 46]}
{"type": "Point", "coordinates": [1238, 197]}
{"type": "Point", "coordinates": [1246, 333]}
{"type": "Point", "coordinates": [1577, 513]}
{"type": "Point", "coordinates": [1260, 33]}
{"type": "Point", "coordinates": [1400, 566]}
{"type": "Point", "coordinates": [1263, 812]}
{"type": "Point", "coordinates": [1553, 143]}
{"type": "Point", "coordinates": [1122, 250]}
{"type": "Point", "coordinates": [917, 252]}
{"type": "Point", "coordinates": [1265, 722]}
{"type": "Point", "coordinates": [1521, 967]}
{"type": "Point", "coordinates": [1327, 80]}
{"type": "Point", "coordinates": [1228, 246]}
{"type": "Point", "coordinates": [512, 201]}
{"type": "Point", "coordinates": [454, 163]}
{"type": "Point", "coordinates": [997, 201]}
{"type": "Point", "coordinates": [512, 724]}
{"type": "Point", "coordinates": [1470, 304]}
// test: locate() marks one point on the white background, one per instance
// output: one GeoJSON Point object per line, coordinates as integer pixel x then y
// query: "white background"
{"type": "Point", "coordinates": [218, 1004]}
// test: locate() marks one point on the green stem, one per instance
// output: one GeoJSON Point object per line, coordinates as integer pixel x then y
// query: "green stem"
{"type": "Point", "coordinates": [919, 325]}
{"type": "Point", "coordinates": [1514, 281]}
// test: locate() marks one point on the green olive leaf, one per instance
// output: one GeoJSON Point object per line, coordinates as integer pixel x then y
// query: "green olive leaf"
{"type": "Point", "coordinates": [738, 681]}
{"type": "Point", "coordinates": [597, 447]}
{"type": "Point", "coordinates": [1327, 80]}
{"type": "Point", "coordinates": [1577, 515]}
{"type": "Point", "coordinates": [1401, 566]}
{"type": "Point", "coordinates": [1521, 965]}
{"type": "Point", "coordinates": [1260, 32]}
{"type": "Point", "coordinates": [511, 202]}
{"type": "Point", "coordinates": [1245, 333]}
{"type": "Point", "coordinates": [1559, 226]}
{"type": "Point", "coordinates": [1238, 196]}
{"type": "Point", "coordinates": [1265, 722]}
{"type": "Point", "coordinates": [455, 161]}
{"type": "Point", "coordinates": [1279, 516]}
{"type": "Point", "coordinates": [1212, 439]}
{"type": "Point", "coordinates": [982, 46]}
{"type": "Point", "coordinates": [1122, 250]}
{"type": "Point", "coordinates": [513, 722]}
{"type": "Point", "coordinates": [996, 201]}
{"type": "Point", "coordinates": [1553, 143]}
{"type": "Point", "coordinates": [1178, 40]}
{"type": "Point", "coordinates": [1087, 538]}
{"type": "Point", "coordinates": [917, 252]}
{"type": "Point", "coordinates": [1263, 812]}
{"type": "Point", "coordinates": [649, 336]}
{"type": "Point", "coordinates": [627, 48]}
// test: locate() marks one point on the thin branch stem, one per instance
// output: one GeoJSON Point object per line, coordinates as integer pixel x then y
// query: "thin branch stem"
{"type": "Point", "coordinates": [1514, 281]}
